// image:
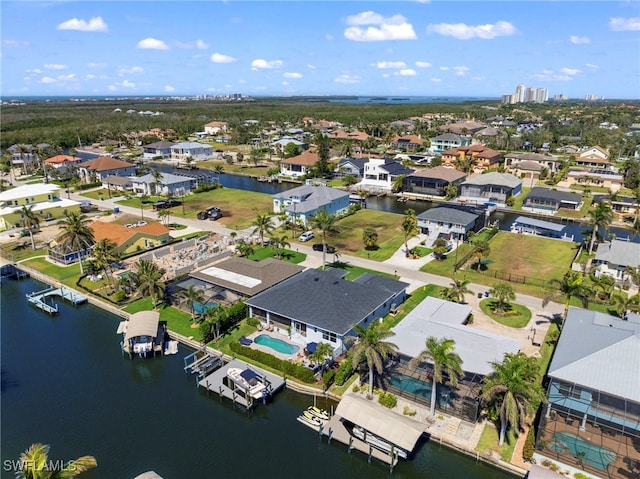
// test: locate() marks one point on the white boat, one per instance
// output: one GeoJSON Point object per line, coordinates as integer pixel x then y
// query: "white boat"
{"type": "Point", "coordinates": [310, 420]}
{"type": "Point", "coordinates": [319, 413]}
{"type": "Point", "coordinates": [248, 381]}
{"type": "Point", "coordinates": [377, 442]}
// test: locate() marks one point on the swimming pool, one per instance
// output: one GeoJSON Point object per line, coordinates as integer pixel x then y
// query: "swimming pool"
{"type": "Point", "coordinates": [201, 308]}
{"type": "Point", "coordinates": [597, 456]}
{"type": "Point", "coordinates": [421, 388]}
{"type": "Point", "coordinates": [276, 344]}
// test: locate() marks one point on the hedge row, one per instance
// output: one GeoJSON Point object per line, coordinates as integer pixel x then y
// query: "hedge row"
{"type": "Point", "coordinates": [87, 186]}
{"type": "Point", "coordinates": [297, 371]}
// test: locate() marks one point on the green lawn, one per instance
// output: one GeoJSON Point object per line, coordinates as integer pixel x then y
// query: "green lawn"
{"type": "Point", "coordinates": [444, 267]}
{"type": "Point", "coordinates": [412, 301]}
{"type": "Point", "coordinates": [101, 194]}
{"type": "Point", "coordinates": [68, 275]}
{"type": "Point", "coordinates": [581, 213]}
{"type": "Point", "coordinates": [288, 255]}
{"type": "Point", "coordinates": [520, 198]}
{"type": "Point", "coordinates": [222, 343]}
{"type": "Point", "coordinates": [177, 321]}
{"type": "Point", "coordinates": [489, 441]}
{"type": "Point", "coordinates": [518, 316]}
{"type": "Point", "coordinates": [348, 238]}
{"type": "Point", "coordinates": [354, 272]}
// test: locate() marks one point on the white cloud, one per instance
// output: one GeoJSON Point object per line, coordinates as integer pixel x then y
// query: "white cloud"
{"type": "Point", "coordinates": [201, 45]}
{"type": "Point", "coordinates": [311, 67]}
{"type": "Point", "coordinates": [220, 58]}
{"type": "Point", "coordinates": [461, 70]}
{"type": "Point", "coordinates": [285, 83]}
{"type": "Point", "coordinates": [394, 65]}
{"type": "Point", "coordinates": [152, 44]}
{"type": "Point", "coordinates": [436, 80]}
{"type": "Point", "coordinates": [383, 29]}
{"type": "Point", "coordinates": [462, 31]}
{"type": "Point", "coordinates": [96, 24]}
{"type": "Point", "coordinates": [55, 66]}
{"type": "Point", "coordinates": [570, 71]}
{"type": "Point", "coordinates": [479, 78]}
{"type": "Point", "coordinates": [122, 71]}
{"type": "Point", "coordinates": [169, 88]}
{"type": "Point", "coordinates": [405, 72]}
{"type": "Point", "coordinates": [15, 43]}
{"type": "Point", "coordinates": [423, 64]}
{"type": "Point", "coordinates": [48, 80]}
{"type": "Point", "coordinates": [34, 70]}
{"type": "Point", "coordinates": [576, 40]}
{"type": "Point", "coordinates": [328, 37]}
{"type": "Point", "coordinates": [89, 77]}
{"type": "Point", "coordinates": [59, 79]}
{"type": "Point", "coordinates": [348, 79]}
{"type": "Point", "coordinates": [260, 64]}
{"type": "Point", "coordinates": [621, 24]}
{"type": "Point", "coordinates": [444, 69]}
{"type": "Point", "coordinates": [96, 65]}
{"type": "Point", "coordinates": [549, 75]}
{"type": "Point", "coordinates": [292, 75]}
{"type": "Point", "coordinates": [591, 65]}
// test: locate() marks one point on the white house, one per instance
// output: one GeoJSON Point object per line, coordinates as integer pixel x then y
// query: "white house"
{"type": "Point", "coordinates": [159, 148]}
{"type": "Point", "coordinates": [305, 201]}
{"type": "Point", "coordinates": [299, 165]}
{"type": "Point", "coordinates": [380, 173]}
{"type": "Point", "coordinates": [187, 149]}
{"type": "Point", "coordinates": [215, 127]}
{"type": "Point", "coordinates": [169, 185]}
{"type": "Point", "coordinates": [104, 166]}
{"type": "Point", "coordinates": [612, 258]}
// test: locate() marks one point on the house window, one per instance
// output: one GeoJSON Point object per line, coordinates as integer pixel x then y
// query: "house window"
{"type": "Point", "coordinates": [327, 336]}
{"type": "Point", "coordinates": [300, 328]}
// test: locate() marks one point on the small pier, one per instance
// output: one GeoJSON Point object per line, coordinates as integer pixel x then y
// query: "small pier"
{"type": "Point", "coordinates": [39, 298]}
{"type": "Point", "coordinates": [201, 363]}
{"type": "Point", "coordinates": [218, 382]}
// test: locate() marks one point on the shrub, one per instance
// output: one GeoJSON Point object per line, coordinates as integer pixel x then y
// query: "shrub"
{"type": "Point", "coordinates": [344, 372]}
{"type": "Point", "coordinates": [510, 201]}
{"type": "Point", "coordinates": [328, 378]}
{"type": "Point", "coordinates": [206, 331]}
{"type": "Point", "coordinates": [355, 388]}
{"type": "Point", "coordinates": [387, 400]}
{"type": "Point", "coordinates": [529, 446]}
{"type": "Point", "coordinates": [408, 412]}
{"type": "Point", "coordinates": [579, 475]}
{"type": "Point", "coordinates": [237, 313]}
{"type": "Point", "coordinates": [119, 296]}
{"type": "Point", "coordinates": [297, 371]}
{"type": "Point", "coordinates": [253, 322]}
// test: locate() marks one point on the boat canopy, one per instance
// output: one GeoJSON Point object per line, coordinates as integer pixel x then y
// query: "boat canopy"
{"type": "Point", "coordinates": [143, 323]}
{"type": "Point", "coordinates": [547, 225]}
{"type": "Point", "coordinates": [398, 430]}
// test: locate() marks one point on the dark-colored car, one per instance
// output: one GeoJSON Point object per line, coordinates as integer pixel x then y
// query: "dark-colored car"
{"type": "Point", "coordinates": [212, 213]}
{"type": "Point", "coordinates": [318, 247]}
{"type": "Point", "coordinates": [160, 205]}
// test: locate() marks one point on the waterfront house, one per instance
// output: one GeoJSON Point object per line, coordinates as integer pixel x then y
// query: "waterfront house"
{"type": "Point", "coordinates": [381, 173]}
{"type": "Point", "coordinates": [299, 165]}
{"type": "Point", "coordinates": [495, 187]}
{"type": "Point", "coordinates": [280, 144]}
{"type": "Point", "coordinates": [117, 183]}
{"type": "Point", "coordinates": [623, 205]}
{"type": "Point", "coordinates": [322, 306]}
{"type": "Point", "coordinates": [351, 166]}
{"type": "Point", "coordinates": [548, 201]}
{"type": "Point", "coordinates": [44, 199]}
{"type": "Point", "coordinates": [62, 162]}
{"type": "Point", "coordinates": [613, 257]}
{"type": "Point", "coordinates": [450, 221]}
{"type": "Point", "coordinates": [131, 239]}
{"type": "Point", "coordinates": [144, 334]}
{"type": "Point", "coordinates": [518, 162]}
{"type": "Point", "coordinates": [479, 157]}
{"type": "Point", "coordinates": [305, 201]}
{"type": "Point", "coordinates": [432, 181]}
{"type": "Point", "coordinates": [159, 149]}
{"type": "Point", "coordinates": [235, 279]}
{"type": "Point", "coordinates": [104, 166]}
{"type": "Point", "coordinates": [191, 149]}
{"type": "Point", "coordinates": [447, 141]}
{"type": "Point", "coordinates": [598, 178]}
{"type": "Point", "coordinates": [591, 420]}
{"type": "Point", "coordinates": [477, 349]}
{"type": "Point", "coordinates": [168, 185]}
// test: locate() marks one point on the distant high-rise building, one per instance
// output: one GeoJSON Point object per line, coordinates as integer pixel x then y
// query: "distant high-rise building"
{"type": "Point", "coordinates": [510, 99]}
{"type": "Point", "coordinates": [520, 89]}
{"type": "Point", "coordinates": [542, 95]}
{"type": "Point", "coordinates": [530, 94]}
{"type": "Point", "coordinates": [560, 97]}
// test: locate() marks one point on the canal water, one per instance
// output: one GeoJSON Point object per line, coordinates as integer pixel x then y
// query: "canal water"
{"type": "Point", "coordinates": [66, 384]}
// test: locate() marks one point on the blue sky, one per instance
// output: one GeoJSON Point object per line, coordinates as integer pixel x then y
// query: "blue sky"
{"type": "Point", "coordinates": [261, 48]}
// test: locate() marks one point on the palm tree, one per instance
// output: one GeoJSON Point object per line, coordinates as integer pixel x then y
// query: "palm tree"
{"type": "Point", "coordinates": [604, 283]}
{"type": "Point", "coordinates": [279, 243]}
{"type": "Point", "coordinates": [481, 249]}
{"type": "Point", "coordinates": [409, 227]}
{"type": "Point", "coordinates": [163, 215]}
{"type": "Point", "coordinates": [35, 464]}
{"type": "Point", "coordinates": [440, 353]}
{"type": "Point", "coordinates": [514, 386]}
{"type": "Point", "coordinates": [30, 221]}
{"type": "Point", "coordinates": [262, 224]}
{"type": "Point", "coordinates": [570, 286]}
{"type": "Point", "coordinates": [440, 248]}
{"type": "Point", "coordinates": [324, 222]}
{"type": "Point", "coordinates": [157, 180]}
{"type": "Point", "coordinates": [369, 237]}
{"type": "Point", "coordinates": [628, 303]}
{"type": "Point", "coordinates": [599, 218]}
{"type": "Point", "coordinates": [503, 292]}
{"type": "Point", "coordinates": [459, 289]}
{"type": "Point", "coordinates": [370, 346]}
{"type": "Point", "coordinates": [104, 254]}
{"type": "Point", "coordinates": [322, 352]}
{"type": "Point", "coordinates": [192, 296]}
{"type": "Point", "coordinates": [76, 234]}
{"type": "Point", "coordinates": [215, 317]}
{"type": "Point", "coordinates": [243, 248]}
{"type": "Point", "coordinates": [147, 277]}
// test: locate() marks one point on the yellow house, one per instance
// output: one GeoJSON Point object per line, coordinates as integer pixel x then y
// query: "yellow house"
{"type": "Point", "coordinates": [44, 200]}
{"type": "Point", "coordinates": [130, 240]}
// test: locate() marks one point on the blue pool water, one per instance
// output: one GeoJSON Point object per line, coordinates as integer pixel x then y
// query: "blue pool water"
{"type": "Point", "coordinates": [597, 456]}
{"type": "Point", "coordinates": [276, 344]}
{"type": "Point", "coordinates": [419, 388]}
{"type": "Point", "coordinates": [201, 308]}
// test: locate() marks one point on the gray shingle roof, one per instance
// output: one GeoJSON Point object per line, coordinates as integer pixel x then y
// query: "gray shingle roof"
{"type": "Point", "coordinates": [443, 319]}
{"type": "Point", "coordinates": [448, 214]}
{"type": "Point", "coordinates": [600, 352]}
{"type": "Point", "coordinates": [440, 173]}
{"type": "Point", "coordinates": [559, 196]}
{"type": "Point", "coordinates": [494, 178]}
{"type": "Point", "coordinates": [315, 197]}
{"type": "Point", "coordinates": [619, 252]}
{"type": "Point", "coordinates": [326, 300]}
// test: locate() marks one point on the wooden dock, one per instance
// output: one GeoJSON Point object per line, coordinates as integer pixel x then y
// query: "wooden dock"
{"type": "Point", "coordinates": [218, 383]}
{"type": "Point", "coordinates": [335, 429]}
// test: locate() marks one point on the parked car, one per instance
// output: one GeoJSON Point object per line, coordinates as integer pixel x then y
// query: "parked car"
{"type": "Point", "coordinates": [212, 213]}
{"type": "Point", "coordinates": [318, 247]}
{"type": "Point", "coordinates": [306, 236]}
{"type": "Point", "coordinates": [159, 205]}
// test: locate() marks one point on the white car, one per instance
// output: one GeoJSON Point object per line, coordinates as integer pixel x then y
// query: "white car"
{"type": "Point", "coordinates": [306, 236]}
